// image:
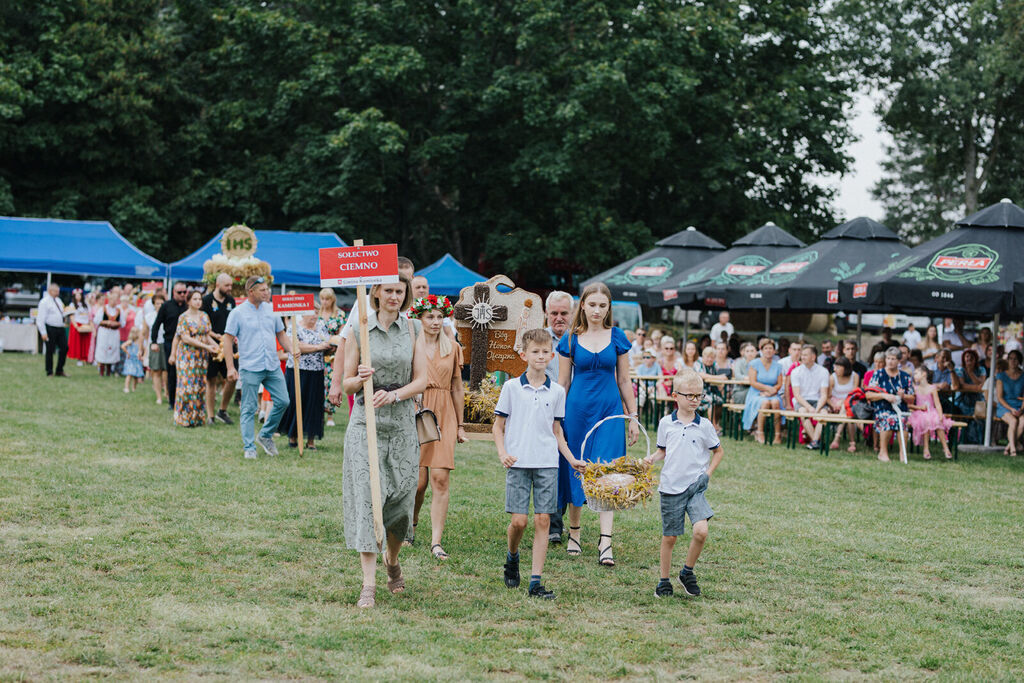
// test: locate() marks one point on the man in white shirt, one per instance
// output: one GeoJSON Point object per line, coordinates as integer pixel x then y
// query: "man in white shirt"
{"type": "Point", "coordinates": [558, 310]}
{"type": "Point", "coordinates": [953, 339]}
{"type": "Point", "coordinates": [50, 321]}
{"type": "Point", "coordinates": [810, 383]}
{"type": "Point", "coordinates": [911, 337]}
{"type": "Point", "coordinates": [723, 325]}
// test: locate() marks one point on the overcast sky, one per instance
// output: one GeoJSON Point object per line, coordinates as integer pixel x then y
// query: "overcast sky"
{"type": "Point", "coordinates": [854, 198]}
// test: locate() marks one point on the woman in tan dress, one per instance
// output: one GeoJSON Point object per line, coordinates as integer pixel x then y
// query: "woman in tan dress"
{"type": "Point", "coordinates": [443, 396]}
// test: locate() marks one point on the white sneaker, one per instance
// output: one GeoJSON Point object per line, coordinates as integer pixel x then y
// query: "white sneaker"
{"type": "Point", "coordinates": [250, 454]}
{"type": "Point", "coordinates": [126, 390]}
{"type": "Point", "coordinates": [330, 422]}
{"type": "Point", "coordinates": [267, 444]}
{"type": "Point", "coordinates": [80, 363]}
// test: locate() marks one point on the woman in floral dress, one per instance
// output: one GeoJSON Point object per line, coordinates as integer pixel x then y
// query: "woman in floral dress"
{"type": "Point", "coordinates": [888, 389]}
{"type": "Point", "coordinates": [193, 348]}
{"type": "Point", "coordinates": [333, 320]}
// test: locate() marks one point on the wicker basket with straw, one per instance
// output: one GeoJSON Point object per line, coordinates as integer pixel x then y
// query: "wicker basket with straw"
{"type": "Point", "coordinates": [620, 484]}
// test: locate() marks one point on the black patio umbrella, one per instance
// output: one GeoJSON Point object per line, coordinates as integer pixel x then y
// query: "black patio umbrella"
{"type": "Point", "coordinates": [808, 280]}
{"type": "Point", "coordinates": [630, 281]}
{"type": "Point", "coordinates": [970, 270]}
{"type": "Point", "coordinates": [748, 255]}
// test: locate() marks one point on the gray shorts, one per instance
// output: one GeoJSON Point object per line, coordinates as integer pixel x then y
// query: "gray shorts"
{"type": "Point", "coordinates": [691, 502]}
{"type": "Point", "coordinates": [544, 483]}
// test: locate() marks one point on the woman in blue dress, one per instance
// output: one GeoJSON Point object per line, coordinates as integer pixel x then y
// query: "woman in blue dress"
{"type": "Point", "coordinates": [765, 375]}
{"type": "Point", "coordinates": [887, 390]}
{"type": "Point", "coordinates": [594, 369]}
{"type": "Point", "coordinates": [1009, 387]}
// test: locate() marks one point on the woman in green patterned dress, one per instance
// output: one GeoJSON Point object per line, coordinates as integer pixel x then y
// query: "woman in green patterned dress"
{"type": "Point", "coordinates": [399, 373]}
{"type": "Point", "coordinates": [334, 320]}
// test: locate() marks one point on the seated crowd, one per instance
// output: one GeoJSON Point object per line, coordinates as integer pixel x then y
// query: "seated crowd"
{"type": "Point", "coordinates": [920, 383]}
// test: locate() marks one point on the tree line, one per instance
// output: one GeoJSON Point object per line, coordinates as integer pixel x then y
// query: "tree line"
{"type": "Point", "coordinates": [545, 138]}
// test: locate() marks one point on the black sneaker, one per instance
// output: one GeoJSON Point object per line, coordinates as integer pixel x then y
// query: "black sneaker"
{"type": "Point", "coordinates": [223, 416]}
{"type": "Point", "coordinates": [539, 591]}
{"type": "Point", "coordinates": [512, 573]}
{"type": "Point", "coordinates": [663, 589]}
{"type": "Point", "coordinates": [689, 582]}
{"type": "Point", "coordinates": [814, 446]}
{"type": "Point", "coordinates": [555, 538]}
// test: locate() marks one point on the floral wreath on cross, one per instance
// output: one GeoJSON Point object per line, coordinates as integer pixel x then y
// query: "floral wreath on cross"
{"type": "Point", "coordinates": [431, 302]}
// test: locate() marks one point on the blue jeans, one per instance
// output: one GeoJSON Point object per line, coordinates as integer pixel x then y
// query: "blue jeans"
{"type": "Point", "coordinates": [273, 381]}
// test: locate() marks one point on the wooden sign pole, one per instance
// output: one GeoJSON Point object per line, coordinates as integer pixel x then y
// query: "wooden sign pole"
{"type": "Point", "coordinates": [298, 391]}
{"type": "Point", "coordinates": [371, 419]}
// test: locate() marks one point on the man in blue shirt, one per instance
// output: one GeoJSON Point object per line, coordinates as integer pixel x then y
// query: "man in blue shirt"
{"type": "Point", "coordinates": [255, 326]}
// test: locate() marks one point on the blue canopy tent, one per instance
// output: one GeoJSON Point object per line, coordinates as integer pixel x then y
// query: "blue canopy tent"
{"type": "Point", "coordinates": [293, 256]}
{"type": "Point", "coordinates": [447, 276]}
{"type": "Point", "coordinates": [49, 245]}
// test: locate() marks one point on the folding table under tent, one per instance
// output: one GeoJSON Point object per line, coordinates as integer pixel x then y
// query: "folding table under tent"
{"type": "Point", "coordinates": [448, 277]}
{"type": "Point", "coordinates": [293, 256]}
{"type": "Point", "coordinates": [50, 245]}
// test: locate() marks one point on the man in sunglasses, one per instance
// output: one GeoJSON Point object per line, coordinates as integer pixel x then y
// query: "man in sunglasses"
{"type": "Point", "coordinates": [167, 319]}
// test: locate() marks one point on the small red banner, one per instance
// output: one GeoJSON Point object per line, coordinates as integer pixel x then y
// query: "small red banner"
{"type": "Point", "coordinates": [833, 296]}
{"type": "Point", "coordinates": [294, 304]}
{"type": "Point", "coordinates": [860, 290]}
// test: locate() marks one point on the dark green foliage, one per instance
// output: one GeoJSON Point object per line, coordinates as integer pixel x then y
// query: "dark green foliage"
{"type": "Point", "coordinates": [520, 131]}
{"type": "Point", "coordinates": [952, 81]}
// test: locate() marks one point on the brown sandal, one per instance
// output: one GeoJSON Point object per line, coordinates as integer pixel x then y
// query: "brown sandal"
{"type": "Point", "coordinates": [396, 583]}
{"type": "Point", "coordinates": [367, 597]}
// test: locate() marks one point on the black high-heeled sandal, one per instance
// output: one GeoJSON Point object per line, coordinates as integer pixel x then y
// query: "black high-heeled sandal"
{"type": "Point", "coordinates": [578, 550]}
{"type": "Point", "coordinates": [602, 560]}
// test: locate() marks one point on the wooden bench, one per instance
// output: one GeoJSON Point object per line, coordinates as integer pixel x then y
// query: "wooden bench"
{"type": "Point", "coordinates": [830, 420]}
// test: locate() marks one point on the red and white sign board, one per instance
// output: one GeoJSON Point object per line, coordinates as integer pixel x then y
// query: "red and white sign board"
{"type": "Point", "coordinates": [294, 304]}
{"type": "Point", "coordinates": [376, 264]}
{"type": "Point", "coordinates": [860, 290]}
{"type": "Point", "coordinates": [151, 286]}
{"type": "Point", "coordinates": [833, 296]}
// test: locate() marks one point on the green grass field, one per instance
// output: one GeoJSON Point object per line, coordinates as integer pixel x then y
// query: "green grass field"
{"type": "Point", "coordinates": [133, 549]}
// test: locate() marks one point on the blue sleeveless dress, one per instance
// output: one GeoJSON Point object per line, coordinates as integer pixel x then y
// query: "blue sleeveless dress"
{"type": "Point", "coordinates": [754, 400]}
{"type": "Point", "coordinates": [593, 394]}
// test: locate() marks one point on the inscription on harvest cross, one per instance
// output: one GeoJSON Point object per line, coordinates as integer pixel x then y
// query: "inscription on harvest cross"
{"type": "Point", "coordinates": [480, 314]}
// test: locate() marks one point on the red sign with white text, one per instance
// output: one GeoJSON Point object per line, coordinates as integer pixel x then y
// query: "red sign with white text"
{"type": "Point", "coordinates": [860, 290]}
{"type": "Point", "coordinates": [376, 264]}
{"type": "Point", "coordinates": [833, 296]}
{"type": "Point", "coordinates": [294, 304]}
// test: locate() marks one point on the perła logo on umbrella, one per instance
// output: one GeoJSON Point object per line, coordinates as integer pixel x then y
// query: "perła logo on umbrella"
{"type": "Point", "coordinates": [971, 264]}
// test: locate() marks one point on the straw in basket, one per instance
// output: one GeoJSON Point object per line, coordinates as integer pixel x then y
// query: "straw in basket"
{"type": "Point", "coordinates": [620, 484]}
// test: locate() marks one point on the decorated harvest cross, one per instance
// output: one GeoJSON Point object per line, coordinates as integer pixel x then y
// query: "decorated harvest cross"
{"type": "Point", "coordinates": [491, 324]}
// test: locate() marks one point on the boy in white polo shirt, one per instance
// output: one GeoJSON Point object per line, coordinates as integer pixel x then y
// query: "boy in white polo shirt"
{"type": "Point", "coordinates": [691, 449]}
{"type": "Point", "coordinates": [528, 433]}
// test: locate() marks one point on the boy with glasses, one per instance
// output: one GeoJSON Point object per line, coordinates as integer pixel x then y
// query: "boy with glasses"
{"type": "Point", "coordinates": [691, 449]}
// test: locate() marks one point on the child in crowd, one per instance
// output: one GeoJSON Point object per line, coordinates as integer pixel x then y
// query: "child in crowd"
{"type": "Point", "coordinates": [132, 368]}
{"type": "Point", "coordinates": [691, 449]}
{"type": "Point", "coordinates": [648, 366]}
{"type": "Point", "coordinates": [925, 419]}
{"type": "Point", "coordinates": [528, 434]}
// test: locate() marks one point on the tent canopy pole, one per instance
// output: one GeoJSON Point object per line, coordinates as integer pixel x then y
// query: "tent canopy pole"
{"type": "Point", "coordinates": [859, 316]}
{"type": "Point", "coordinates": [991, 382]}
{"type": "Point", "coordinates": [767, 322]}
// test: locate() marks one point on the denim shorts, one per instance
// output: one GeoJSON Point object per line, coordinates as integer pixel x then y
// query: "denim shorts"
{"type": "Point", "coordinates": [544, 483]}
{"type": "Point", "coordinates": [691, 502]}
